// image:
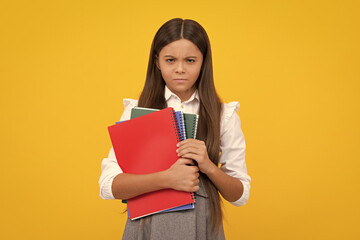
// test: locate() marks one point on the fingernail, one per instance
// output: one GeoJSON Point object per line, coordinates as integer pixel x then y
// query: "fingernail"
{"type": "Point", "coordinates": [178, 144]}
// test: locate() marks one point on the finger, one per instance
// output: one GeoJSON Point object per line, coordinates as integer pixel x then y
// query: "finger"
{"type": "Point", "coordinates": [188, 149]}
{"type": "Point", "coordinates": [192, 156]}
{"type": "Point", "coordinates": [190, 142]}
{"type": "Point", "coordinates": [196, 188]}
{"type": "Point", "coordinates": [185, 161]}
{"type": "Point", "coordinates": [197, 182]}
{"type": "Point", "coordinates": [191, 149]}
{"type": "Point", "coordinates": [192, 163]}
{"type": "Point", "coordinates": [196, 169]}
{"type": "Point", "coordinates": [188, 162]}
{"type": "Point", "coordinates": [185, 141]}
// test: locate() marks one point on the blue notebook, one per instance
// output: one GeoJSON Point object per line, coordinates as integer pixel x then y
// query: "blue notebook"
{"type": "Point", "coordinates": [181, 124]}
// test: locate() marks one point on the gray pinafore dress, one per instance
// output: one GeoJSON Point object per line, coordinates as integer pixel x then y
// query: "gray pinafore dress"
{"type": "Point", "coordinates": [193, 224]}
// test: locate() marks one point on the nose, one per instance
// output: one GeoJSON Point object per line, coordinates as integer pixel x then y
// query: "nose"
{"type": "Point", "coordinates": [180, 67]}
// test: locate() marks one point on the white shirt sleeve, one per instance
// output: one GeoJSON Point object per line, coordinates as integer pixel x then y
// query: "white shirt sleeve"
{"type": "Point", "coordinates": [232, 147]}
{"type": "Point", "coordinates": [109, 166]}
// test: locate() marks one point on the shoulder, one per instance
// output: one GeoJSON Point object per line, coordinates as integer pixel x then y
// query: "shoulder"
{"type": "Point", "coordinates": [128, 105]}
{"type": "Point", "coordinates": [128, 102]}
{"type": "Point", "coordinates": [229, 109]}
{"type": "Point", "coordinates": [229, 113]}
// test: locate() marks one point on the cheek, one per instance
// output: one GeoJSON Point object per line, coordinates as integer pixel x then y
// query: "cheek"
{"type": "Point", "coordinates": [166, 74]}
{"type": "Point", "coordinates": [196, 72]}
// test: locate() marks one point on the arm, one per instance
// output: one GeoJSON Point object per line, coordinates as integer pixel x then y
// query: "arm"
{"type": "Point", "coordinates": [114, 184]}
{"type": "Point", "coordinates": [125, 185]}
{"type": "Point", "coordinates": [179, 176]}
{"type": "Point", "coordinates": [231, 178]}
{"type": "Point", "coordinates": [229, 187]}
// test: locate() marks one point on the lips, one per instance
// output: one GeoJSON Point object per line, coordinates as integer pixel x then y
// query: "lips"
{"type": "Point", "coordinates": [180, 80]}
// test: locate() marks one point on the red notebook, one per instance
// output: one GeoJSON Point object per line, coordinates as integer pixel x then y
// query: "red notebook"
{"type": "Point", "coordinates": [147, 144]}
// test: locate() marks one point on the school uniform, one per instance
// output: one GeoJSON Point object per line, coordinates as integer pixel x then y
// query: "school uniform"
{"type": "Point", "coordinates": [193, 223]}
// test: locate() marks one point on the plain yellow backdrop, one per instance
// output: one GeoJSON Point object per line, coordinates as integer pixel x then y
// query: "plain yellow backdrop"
{"type": "Point", "coordinates": [293, 66]}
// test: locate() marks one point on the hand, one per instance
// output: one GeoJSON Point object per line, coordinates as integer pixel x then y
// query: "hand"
{"type": "Point", "coordinates": [183, 175]}
{"type": "Point", "coordinates": [196, 150]}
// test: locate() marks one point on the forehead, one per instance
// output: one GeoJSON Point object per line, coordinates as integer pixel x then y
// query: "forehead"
{"type": "Point", "coordinates": [181, 47]}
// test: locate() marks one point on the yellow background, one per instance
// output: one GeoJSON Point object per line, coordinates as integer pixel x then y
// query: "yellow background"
{"type": "Point", "coordinates": [293, 65]}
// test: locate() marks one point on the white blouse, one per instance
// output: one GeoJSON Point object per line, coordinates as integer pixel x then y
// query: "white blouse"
{"type": "Point", "coordinates": [232, 144]}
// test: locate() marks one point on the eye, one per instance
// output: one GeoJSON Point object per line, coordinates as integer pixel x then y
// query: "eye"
{"type": "Point", "coordinates": [169, 60]}
{"type": "Point", "coordinates": [191, 60]}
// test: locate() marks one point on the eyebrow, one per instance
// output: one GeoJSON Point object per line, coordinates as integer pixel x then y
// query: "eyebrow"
{"type": "Point", "coordinates": [175, 57]}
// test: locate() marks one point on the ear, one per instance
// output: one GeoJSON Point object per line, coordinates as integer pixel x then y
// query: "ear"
{"type": "Point", "coordinates": [157, 62]}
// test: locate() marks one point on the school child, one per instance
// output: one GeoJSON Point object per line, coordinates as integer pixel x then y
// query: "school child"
{"type": "Point", "coordinates": [180, 75]}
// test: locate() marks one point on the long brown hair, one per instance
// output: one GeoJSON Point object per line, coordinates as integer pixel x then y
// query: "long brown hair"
{"type": "Point", "coordinates": [210, 108]}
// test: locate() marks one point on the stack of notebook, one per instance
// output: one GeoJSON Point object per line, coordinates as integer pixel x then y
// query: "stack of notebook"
{"type": "Point", "coordinates": [187, 122]}
{"type": "Point", "coordinates": [147, 144]}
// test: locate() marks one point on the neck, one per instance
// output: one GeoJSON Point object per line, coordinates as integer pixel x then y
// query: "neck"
{"type": "Point", "coordinates": [184, 96]}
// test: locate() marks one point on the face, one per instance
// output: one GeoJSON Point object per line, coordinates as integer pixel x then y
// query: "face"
{"type": "Point", "coordinates": [180, 64]}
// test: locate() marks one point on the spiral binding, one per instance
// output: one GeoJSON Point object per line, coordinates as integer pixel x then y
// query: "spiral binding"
{"type": "Point", "coordinates": [181, 124]}
{"type": "Point", "coordinates": [192, 196]}
{"type": "Point", "coordinates": [195, 126]}
{"type": "Point", "coordinates": [179, 134]}
{"type": "Point", "coordinates": [175, 125]}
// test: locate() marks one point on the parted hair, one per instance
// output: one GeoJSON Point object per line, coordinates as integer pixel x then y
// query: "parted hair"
{"type": "Point", "coordinates": [210, 108]}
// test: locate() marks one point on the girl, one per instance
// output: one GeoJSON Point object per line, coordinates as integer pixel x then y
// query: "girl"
{"type": "Point", "coordinates": [180, 75]}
